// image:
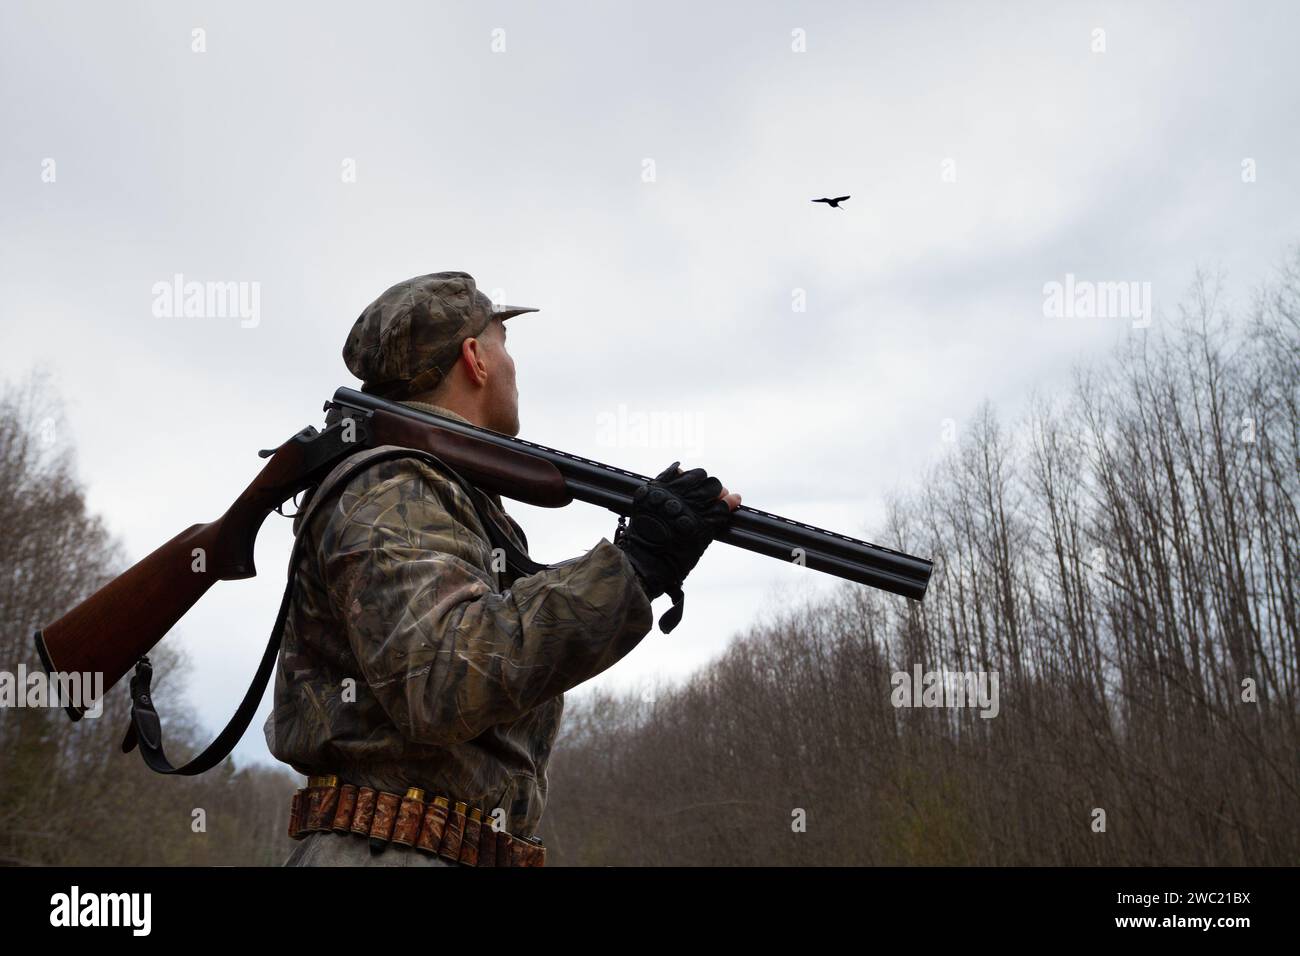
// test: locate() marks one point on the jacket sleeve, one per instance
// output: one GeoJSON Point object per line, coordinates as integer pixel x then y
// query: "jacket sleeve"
{"type": "Point", "coordinates": [408, 570]}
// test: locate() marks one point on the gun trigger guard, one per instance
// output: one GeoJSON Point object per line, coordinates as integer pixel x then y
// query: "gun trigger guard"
{"type": "Point", "coordinates": [297, 506]}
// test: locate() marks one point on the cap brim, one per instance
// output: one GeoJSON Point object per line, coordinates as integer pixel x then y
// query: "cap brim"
{"type": "Point", "coordinates": [506, 311]}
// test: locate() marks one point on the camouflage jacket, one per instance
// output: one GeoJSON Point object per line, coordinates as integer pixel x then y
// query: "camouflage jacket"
{"type": "Point", "coordinates": [408, 661]}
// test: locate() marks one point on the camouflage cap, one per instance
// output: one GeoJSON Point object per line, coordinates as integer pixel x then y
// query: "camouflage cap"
{"type": "Point", "coordinates": [409, 338]}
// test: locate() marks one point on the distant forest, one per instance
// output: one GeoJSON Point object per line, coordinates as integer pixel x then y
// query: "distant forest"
{"type": "Point", "coordinates": [1123, 558]}
{"type": "Point", "coordinates": [68, 795]}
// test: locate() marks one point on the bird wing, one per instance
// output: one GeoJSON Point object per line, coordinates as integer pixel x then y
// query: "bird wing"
{"type": "Point", "coordinates": [821, 200]}
{"type": "Point", "coordinates": [842, 198]}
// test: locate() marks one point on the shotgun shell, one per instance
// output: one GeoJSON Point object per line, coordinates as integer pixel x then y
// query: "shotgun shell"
{"type": "Point", "coordinates": [365, 812]}
{"type": "Point", "coordinates": [409, 815]}
{"type": "Point", "coordinates": [435, 820]}
{"type": "Point", "coordinates": [453, 833]}
{"type": "Point", "coordinates": [347, 808]}
{"type": "Point", "coordinates": [296, 814]}
{"type": "Point", "coordinates": [381, 829]}
{"type": "Point", "coordinates": [322, 799]}
{"type": "Point", "coordinates": [469, 843]}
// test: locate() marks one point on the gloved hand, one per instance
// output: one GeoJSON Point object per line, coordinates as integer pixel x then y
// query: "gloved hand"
{"type": "Point", "coordinates": [674, 518]}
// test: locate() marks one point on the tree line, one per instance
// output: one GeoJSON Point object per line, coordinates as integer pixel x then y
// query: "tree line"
{"type": "Point", "coordinates": [1123, 557]}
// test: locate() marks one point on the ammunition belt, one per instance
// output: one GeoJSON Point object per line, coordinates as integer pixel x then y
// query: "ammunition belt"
{"type": "Point", "coordinates": [433, 826]}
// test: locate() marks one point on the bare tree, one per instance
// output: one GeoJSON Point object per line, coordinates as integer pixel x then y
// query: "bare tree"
{"type": "Point", "coordinates": [1124, 559]}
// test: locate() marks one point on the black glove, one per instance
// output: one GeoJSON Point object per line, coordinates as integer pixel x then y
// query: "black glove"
{"type": "Point", "coordinates": [674, 517]}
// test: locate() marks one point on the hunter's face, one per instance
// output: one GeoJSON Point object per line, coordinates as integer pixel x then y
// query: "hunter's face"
{"type": "Point", "coordinates": [503, 393]}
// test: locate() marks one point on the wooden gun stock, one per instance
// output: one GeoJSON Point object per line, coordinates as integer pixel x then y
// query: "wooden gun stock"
{"type": "Point", "coordinates": [118, 624]}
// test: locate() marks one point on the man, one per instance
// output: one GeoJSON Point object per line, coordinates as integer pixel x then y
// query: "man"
{"type": "Point", "coordinates": [421, 677]}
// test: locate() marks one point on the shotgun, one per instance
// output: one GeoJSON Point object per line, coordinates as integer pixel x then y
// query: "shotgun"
{"type": "Point", "coordinates": [121, 622]}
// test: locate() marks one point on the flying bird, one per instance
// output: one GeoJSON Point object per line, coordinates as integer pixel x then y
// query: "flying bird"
{"type": "Point", "coordinates": [833, 203]}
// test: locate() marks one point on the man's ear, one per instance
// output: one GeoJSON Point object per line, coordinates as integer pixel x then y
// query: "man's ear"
{"type": "Point", "coordinates": [471, 357]}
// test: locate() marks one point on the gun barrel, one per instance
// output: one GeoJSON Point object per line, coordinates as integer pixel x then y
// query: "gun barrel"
{"type": "Point", "coordinates": [751, 529]}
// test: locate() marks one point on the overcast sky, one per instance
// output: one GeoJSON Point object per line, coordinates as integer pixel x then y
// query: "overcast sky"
{"type": "Point", "coordinates": [642, 174]}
